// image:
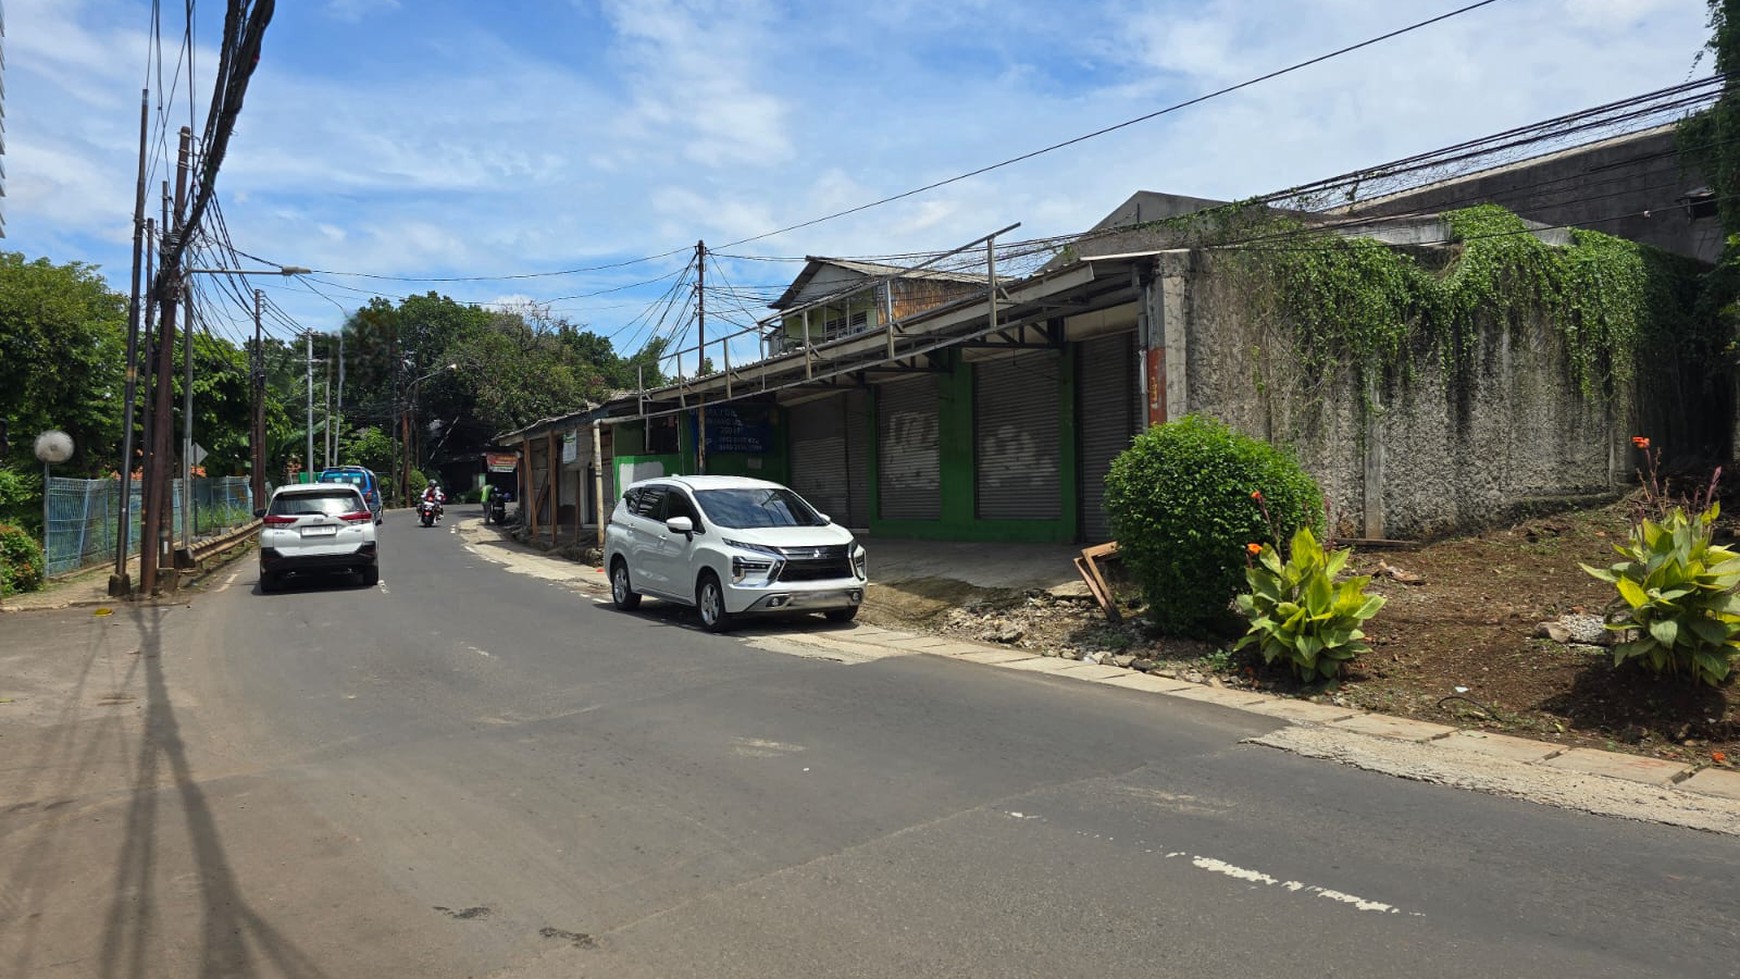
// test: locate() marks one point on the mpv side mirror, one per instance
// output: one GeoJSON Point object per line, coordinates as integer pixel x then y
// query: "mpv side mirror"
{"type": "Point", "coordinates": [259, 512]}
{"type": "Point", "coordinates": [825, 518]}
{"type": "Point", "coordinates": [680, 525]}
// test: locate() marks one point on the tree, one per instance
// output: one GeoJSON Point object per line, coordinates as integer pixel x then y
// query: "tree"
{"type": "Point", "coordinates": [62, 346]}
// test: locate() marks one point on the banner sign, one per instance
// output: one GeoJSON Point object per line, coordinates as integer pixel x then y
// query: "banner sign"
{"type": "Point", "coordinates": [739, 428]}
{"type": "Point", "coordinates": [502, 462]}
{"type": "Point", "coordinates": [570, 447]}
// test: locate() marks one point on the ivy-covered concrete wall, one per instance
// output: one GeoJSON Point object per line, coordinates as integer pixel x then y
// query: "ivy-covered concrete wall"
{"type": "Point", "coordinates": [1450, 416]}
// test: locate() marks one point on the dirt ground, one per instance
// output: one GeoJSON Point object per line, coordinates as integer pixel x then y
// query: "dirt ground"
{"type": "Point", "coordinates": [1457, 643]}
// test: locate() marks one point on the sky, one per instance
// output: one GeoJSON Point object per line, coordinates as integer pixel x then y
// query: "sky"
{"type": "Point", "coordinates": [392, 143]}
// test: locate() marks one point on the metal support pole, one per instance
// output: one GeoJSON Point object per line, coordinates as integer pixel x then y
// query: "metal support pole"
{"type": "Point", "coordinates": [701, 333]}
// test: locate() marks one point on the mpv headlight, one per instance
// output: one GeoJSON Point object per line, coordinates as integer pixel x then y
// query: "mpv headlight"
{"type": "Point", "coordinates": [861, 561]}
{"type": "Point", "coordinates": [761, 561]}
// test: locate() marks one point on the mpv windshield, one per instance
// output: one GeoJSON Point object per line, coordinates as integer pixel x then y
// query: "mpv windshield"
{"type": "Point", "coordinates": [757, 507]}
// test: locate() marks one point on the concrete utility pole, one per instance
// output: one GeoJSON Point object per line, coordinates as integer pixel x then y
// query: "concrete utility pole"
{"type": "Point", "coordinates": [187, 439]}
{"type": "Point", "coordinates": [157, 482]}
{"type": "Point", "coordinates": [120, 584]}
{"type": "Point", "coordinates": [308, 460]}
{"type": "Point", "coordinates": [701, 357]}
{"type": "Point", "coordinates": [259, 420]}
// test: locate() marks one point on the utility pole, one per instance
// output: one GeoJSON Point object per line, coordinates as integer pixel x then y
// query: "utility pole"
{"type": "Point", "coordinates": [340, 384]}
{"type": "Point", "coordinates": [157, 488]}
{"type": "Point", "coordinates": [701, 356]}
{"type": "Point", "coordinates": [120, 585]}
{"type": "Point", "coordinates": [259, 419]}
{"type": "Point", "coordinates": [308, 460]}
{"type": "Point", "coordinates": [326, 407]}
{"type": "Point", "coordinates": [187, 433]}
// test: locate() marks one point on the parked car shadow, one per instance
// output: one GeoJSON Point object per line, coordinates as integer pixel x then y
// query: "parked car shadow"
{"type": "Point", "coordinates": [312, 582]}
{"type": "Point", "coordinates": [769, 624]}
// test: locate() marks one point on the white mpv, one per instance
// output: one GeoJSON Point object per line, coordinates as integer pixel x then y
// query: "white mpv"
{"type": "Point", "coordinates": [731, 546]}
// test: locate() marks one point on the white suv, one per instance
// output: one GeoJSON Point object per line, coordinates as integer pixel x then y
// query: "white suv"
{"type": "Point", "coordinates": [317, 528]}
{"type": "Point", "coordinates": [729, 546]}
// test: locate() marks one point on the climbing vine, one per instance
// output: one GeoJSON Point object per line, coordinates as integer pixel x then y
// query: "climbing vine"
{"type": "Point", "coordinates": [1372, 306]}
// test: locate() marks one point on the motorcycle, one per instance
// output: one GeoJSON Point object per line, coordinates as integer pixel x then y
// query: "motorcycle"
{"type": "Point", "coordinates": [428, 511]}
{"type": "Point", "coordinates": [497, 512]}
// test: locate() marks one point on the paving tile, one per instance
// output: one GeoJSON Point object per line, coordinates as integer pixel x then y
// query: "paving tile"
{"type": "Point", "coordinates": [1400, 728]}
{"type": "Point", "coordinates": [1094, 671]}
{"type": "Point", "coordinates": [1721, 782]}
{"type": "Point", "coordinates": [1041, 664]}
{"type": "Point", "coordinates": [1223, 696]}
{"type": "Point", "coordinates": [1499, 746]}
{"type": "Point", "coordinates": [1632, 768]}
{"type": "Point", "coordinates": [992, 657]}
{"type": "Point", "coordinates": [1301, 710]}
{"type": "Point", "coordinates": [1152, 684]}
{"type": "Point", "coordinates": [957, 649]}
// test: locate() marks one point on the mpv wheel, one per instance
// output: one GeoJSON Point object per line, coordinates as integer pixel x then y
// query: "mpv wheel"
{"type": "Point", "coordinates": [620, 591]}
{"type": "Point", "coordinates": [710, 602]}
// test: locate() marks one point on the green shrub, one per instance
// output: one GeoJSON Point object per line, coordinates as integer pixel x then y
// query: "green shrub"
{"type": "Point", "coordinates": [1181, 504]}
{"type": "Point", "coordinates": [1300, 614]}
{"type": "Point", "coordinates": [1677, 605]}
{"type": "Point", "coordinates": [21, 561]}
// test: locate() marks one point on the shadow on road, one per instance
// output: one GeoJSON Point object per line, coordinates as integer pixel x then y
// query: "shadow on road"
{"type": "Point", "coordinates": [234, 939]}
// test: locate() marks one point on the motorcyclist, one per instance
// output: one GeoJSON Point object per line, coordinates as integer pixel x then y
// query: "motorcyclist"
{"type": "Point", "coordinates": [433, 496]}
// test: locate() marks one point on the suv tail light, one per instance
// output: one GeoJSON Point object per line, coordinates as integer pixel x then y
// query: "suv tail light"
{"type": "Point", "coordinates": [277, 520]}
{"type": "Point", "coordinates": [361, 516]}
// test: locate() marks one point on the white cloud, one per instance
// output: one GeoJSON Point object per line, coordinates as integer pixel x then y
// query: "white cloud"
{"type": "Point", "coordinates": [479, 141]}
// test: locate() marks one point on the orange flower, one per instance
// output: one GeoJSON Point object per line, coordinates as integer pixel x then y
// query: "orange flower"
{"type": "Point", "coordinates": [1640, 441]}
{"type": "Point", "coordinates": [1254, 549]}
{"type": "Point", "coordinates": [1257, 495]}
{"type": "Point", "coordinates": [1719, 758]}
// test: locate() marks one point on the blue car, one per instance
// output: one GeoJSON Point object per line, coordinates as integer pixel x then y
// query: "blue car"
{"type": "Point", "coordinates": [362, 479]}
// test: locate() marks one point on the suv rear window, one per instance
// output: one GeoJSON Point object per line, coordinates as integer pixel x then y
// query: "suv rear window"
{"type": "Point", "coordinates": [339, 501]}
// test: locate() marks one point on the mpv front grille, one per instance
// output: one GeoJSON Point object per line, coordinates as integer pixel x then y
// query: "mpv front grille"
{"type": "Point", "coordinates": [816, 563]}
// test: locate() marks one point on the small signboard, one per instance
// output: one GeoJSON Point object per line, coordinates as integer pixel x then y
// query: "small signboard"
{"type": "Point", "coordinates": [502, 462]}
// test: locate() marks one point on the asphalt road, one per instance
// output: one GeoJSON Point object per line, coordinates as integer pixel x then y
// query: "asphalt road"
{"type": "Point", "coordinates": [468, 772]}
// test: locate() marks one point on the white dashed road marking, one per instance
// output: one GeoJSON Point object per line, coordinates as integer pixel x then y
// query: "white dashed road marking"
{"type": "Point", "coordinates": [229, 581]}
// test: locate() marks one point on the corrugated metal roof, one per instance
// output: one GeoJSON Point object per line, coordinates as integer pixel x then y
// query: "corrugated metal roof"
{"type": "Point", "coordinates": [870, 270]}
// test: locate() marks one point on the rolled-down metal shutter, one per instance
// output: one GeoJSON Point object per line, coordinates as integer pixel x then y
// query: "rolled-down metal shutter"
{"type": "Point", "coordinates": [819, 469]}
{"type": "Point", "coordinates": [857, 406]}
{"type": "Point", "coordinates": [1108, 421]}
{"type": "Point", "coordinates": [1015, 438]}
{"type": "Point", "coordinates": [909, 475]}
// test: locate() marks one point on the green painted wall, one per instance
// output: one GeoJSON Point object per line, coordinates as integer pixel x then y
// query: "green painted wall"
{"type": "Point", "coordinates": [956, 451]}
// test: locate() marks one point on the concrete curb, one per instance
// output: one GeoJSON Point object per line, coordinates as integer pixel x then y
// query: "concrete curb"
{"type": "Point", "coordinates": [1707, 798]}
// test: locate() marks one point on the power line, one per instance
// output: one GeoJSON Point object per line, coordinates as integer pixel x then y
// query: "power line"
{"type": "Point", "coordinates": [1122, 125]}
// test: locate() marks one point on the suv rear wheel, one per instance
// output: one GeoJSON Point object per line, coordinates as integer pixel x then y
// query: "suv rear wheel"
{"type": "Point", "coordinates": [710, 602]}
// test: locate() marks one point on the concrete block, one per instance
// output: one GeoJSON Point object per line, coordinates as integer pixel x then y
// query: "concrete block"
{"type": "Point", "coordinates": [1151, 684]}
{"type": "Point", "coordinates": [1399, 728]}
{"type": "Point", "coordinates": [1499, 746]}
{"type": "Point", "coordinates": [1721, 782]}
{"type": "Point", "coordinates": [1632, 768]}
{"type": "Point", "coordinates": [1301, 710]}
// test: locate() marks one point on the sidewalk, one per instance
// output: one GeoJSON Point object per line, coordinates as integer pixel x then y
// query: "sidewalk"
{"type": "Point", "coordinates": [1606, 783]}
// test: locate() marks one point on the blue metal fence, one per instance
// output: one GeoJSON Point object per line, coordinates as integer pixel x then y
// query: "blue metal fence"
{"type": "Point", "coordinates": [82, 516]}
